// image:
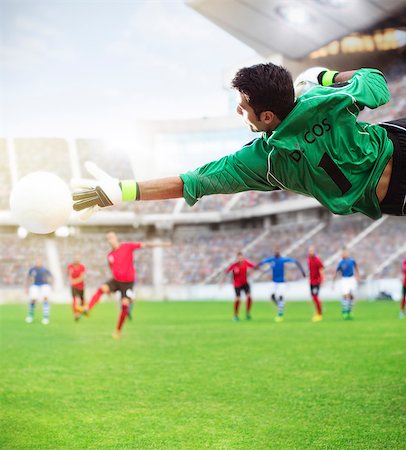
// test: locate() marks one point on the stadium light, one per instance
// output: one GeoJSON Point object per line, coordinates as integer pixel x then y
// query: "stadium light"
{"type": "Point", "coordinates": [22, 233]}
{"type": "Point", "coordinates": [294, 14]}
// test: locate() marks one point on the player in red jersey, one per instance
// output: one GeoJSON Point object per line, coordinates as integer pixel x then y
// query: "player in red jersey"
{"type": "Point", "coordinates": [240, 282]}
{"type": "Point", "coordinates": [121, 262]}
{"type": "Point", "coordinates": [403, 301]}
{"type": "Point", "coordinates": [76, 273]}
{"type": "Point", "coordinates": [316, 271]}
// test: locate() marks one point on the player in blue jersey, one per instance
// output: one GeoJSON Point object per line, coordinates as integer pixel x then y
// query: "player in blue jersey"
{"type": "Point", "coordinates": [277, 265]}
{"type": "Point", "coordinates": [39, 280]}
{"type": "Point", "coordinates": [349, 280]}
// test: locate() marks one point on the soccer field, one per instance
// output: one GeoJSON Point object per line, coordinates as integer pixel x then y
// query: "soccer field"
{"type": "Point", "coordinates": [184, 376]}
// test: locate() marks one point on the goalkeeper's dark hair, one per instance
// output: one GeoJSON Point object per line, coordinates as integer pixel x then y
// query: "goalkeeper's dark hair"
{"type": "Point", "coordinates": [268, 87]}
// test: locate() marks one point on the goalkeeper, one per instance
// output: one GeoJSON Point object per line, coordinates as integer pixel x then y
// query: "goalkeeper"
{"type": "Point", "coordinates": [313, 146]}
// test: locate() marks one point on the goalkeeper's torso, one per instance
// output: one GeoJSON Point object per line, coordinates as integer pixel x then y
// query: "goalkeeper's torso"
{"type": "Point", "coordinates": [321, 150]}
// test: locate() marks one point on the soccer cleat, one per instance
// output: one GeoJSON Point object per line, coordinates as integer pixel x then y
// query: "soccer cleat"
{"type": "Point", "coordinates": [401, 315]}
{"type": "Point", "coordinates": [317, 318]}
{"type": "Point", "coordinates": [45, 321]}
{"type": "Point", "coordinates": [236, 319]}
{"type": "Point", "coordinates": [29, 319]}
{"type": "Point", "coordinates": [116, 335]}
{"type": "Point", "coordinates": [248, 317]}
{"type": "Point", "coordinates": [278, 319]}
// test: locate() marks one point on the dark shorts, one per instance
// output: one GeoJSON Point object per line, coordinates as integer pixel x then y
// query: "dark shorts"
{"type": "Point", "coordinates": [125, 288]}
{"type": "Point", "coordinates": [404, 289]}
{"type": "Point", "coordinates": [244, 287]}
{"type": "Point", "coordinates": [315, 289]}
{"type": "Point", "coordinates": [394, 202]}
{"type": "Point", "coordinates": [78, 292]}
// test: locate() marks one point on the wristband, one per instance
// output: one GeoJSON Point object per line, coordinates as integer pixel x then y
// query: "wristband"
{"type": "Point", "coordinates": [328, 77]}
{"type": "Point", "coordinates": [129, 189]}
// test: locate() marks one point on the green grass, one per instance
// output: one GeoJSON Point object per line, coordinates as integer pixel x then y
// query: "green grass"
{"type": "Point", "coordinates": [184, 376]}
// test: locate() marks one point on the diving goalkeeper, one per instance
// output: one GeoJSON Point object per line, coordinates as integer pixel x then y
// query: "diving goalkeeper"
{"type": "Point", "coordinates": [313, 146]}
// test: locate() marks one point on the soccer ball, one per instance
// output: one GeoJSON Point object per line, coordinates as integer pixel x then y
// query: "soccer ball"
{"type": "Point", "coordinates": [41, 202]}
{"type": "Point", "coordinates": [306, 80]}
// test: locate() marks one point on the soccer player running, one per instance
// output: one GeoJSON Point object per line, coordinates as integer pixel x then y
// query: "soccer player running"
{"type": "Point", "coordinates": [349, 278]}
{"type": "Point", "coordinates": [313, 145]}
{"type": "Point", "coordinates": [403, 301]}
{"type": "Point", "coordinates": [316, 274]}
{"type": "Point", "coordinates": [121, 262]}
{"type": "Point", "coordinates": [277, 265]}
{"type": "Point", "coordinates": [76, 272]}
{"type": "Point", "coordinates": [239, 270]}
{"type": "Point", "coordinates": [39, 280]}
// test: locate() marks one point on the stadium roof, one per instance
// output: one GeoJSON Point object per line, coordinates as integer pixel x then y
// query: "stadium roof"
{"type": "Point", "coordinates": [295, 28]}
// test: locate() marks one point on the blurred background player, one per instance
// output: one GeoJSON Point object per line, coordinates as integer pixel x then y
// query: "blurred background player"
{"type": "Point", "coordinates": [316, 275]}
{"type": "Point", "coordinates": [39, 280]}
{"type": "Point", "coordinates": [121, 262]}
{"type": "Point", "coordinates": [349, 279]}
{"type": "Point", "coordinates": [277, 265]}
{"type": "Point", "coordinates": [240, 282]}
{"type": "Point", "coordinates": [403, 301]}
{"type": "Point", "coordinates": [76, 273]}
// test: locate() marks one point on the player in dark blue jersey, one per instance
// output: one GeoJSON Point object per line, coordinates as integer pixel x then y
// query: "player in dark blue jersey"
{"type": "Point", "coordinates": [277, 266]}
{"type": "Point", "coordinates": [39, 280]}
{"type": "Point", "coordinates": [349, 279]}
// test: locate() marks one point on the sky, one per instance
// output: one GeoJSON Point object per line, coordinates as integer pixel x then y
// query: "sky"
{"type": "Point", "coordinates": [93, 67]}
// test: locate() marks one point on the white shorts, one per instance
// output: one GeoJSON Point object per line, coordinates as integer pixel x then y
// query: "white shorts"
{"type": "Point", "coordinates": [39, 292]}
{"type": "Point", "coordinates": [278, 289]}
{"type": "Point", "coordinates": [348, 285]}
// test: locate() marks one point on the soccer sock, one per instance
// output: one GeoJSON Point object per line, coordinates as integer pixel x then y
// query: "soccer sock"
{"type": "Point", "coordinates": [249, 303]}
{"type": "Point", "coordinates": [74, 303]}
{"type": "Point", "coordinates": [349, 307]}
{"type": "Point", "coordinates": [281, 306]}
{"type": "Point", "coordinates": [45, 310]}
{"type": "Point", "coordinates": [317, 304]}
{"type": "Point", "coordinates": [236, 306]}
{"type": "Point", "coordinates": [31, 309]}
{"type": "Point", "coordinates": [403, 303]}
{"type": "Point", "coordinates": [130, 308]}
{"type": "Point", "coordinates": [344, 306]}
{"type": "Point", "coordinates": [123, 315]}
{"type": "Point", "coordinates": [95, 298]}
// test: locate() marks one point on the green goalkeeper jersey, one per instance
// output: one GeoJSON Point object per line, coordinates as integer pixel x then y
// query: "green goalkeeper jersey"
{"type": "Point", "coordinates": [319, 150]}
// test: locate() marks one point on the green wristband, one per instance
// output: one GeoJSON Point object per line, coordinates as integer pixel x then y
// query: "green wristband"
{"type": "Point", "coordinates": [129, 190]}
{"type": "Point", "coordinates": [328, 77]}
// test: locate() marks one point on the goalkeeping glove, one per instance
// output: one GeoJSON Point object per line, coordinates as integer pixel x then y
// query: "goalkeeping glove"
{"type": "Point", "coordinates": [103, 191]}
{"type": "Point", "coordinates": [313, 77]}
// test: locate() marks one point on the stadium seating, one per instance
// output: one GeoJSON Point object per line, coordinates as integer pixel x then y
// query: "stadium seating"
{"type": "Point", "coordinates": [5, 176]}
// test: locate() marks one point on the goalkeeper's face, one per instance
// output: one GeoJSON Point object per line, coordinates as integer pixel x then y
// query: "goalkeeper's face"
{"type": "Point", "coordinates": [264, 123]}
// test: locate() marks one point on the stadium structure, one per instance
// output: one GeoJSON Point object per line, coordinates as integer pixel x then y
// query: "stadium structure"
{"type": "Point", "coordinates": [206, 237]}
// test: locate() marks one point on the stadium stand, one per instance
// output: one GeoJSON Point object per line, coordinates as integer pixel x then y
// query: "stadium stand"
{"type": "Point", "coordinates": [50, 155]}
{"type": "Point", "coordinates": [5, 177]}
{"type": "Point", "coordinates": [17, 256]}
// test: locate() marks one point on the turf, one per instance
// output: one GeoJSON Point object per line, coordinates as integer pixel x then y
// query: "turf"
{"type": "Point", "coordinates": [184, 376]}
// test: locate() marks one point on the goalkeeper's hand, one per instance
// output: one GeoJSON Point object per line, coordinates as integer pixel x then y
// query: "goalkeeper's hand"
{"type": "Point", "coordinates": [103, 191]}
{"type": "Point", "coordinates": [313, 77]}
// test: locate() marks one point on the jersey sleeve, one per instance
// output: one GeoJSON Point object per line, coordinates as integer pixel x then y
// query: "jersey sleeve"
{"type": "Point", "coordinates": [368, 87]}
{"type": "Point", "coordinates": [134, 245]}
{"type": "Point", "coordinates": [230, 268]}
{"type": "Point", "coordinates": [244, 170]}
{"type": "Point", "coordinates": [265, 261]}
{"type": "Point", "coordinates": [250, 264]}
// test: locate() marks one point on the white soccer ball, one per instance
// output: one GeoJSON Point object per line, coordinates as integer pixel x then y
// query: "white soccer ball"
{"type": "Point", "coordinates": [306, 80]}
{"type": "Point", "coordinates": [41, 202]}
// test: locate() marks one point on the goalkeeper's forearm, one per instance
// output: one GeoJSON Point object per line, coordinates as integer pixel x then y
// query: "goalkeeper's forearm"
{"type": "Point", "coordinates": [160, 189]}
